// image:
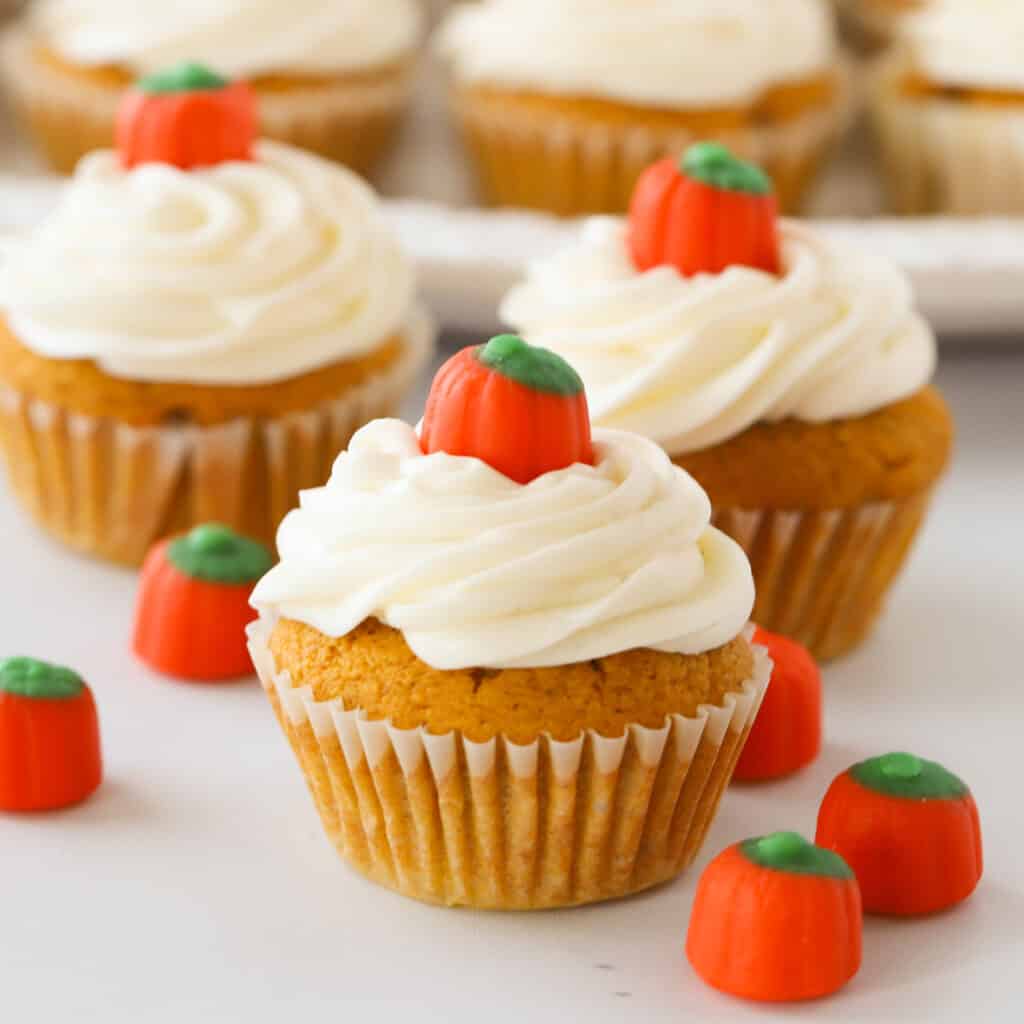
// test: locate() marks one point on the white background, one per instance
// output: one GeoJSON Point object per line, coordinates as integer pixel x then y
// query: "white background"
{"type": "Point", "coordinates": [197, 886]}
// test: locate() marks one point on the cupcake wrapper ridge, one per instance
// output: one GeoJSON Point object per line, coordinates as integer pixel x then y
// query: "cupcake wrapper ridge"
{"type": "Point", "coordinates": [110, 489]}
{"type": "Point", "coordinates": [498, 825]}
{"type": "Point", "coordinates": [822, 575]}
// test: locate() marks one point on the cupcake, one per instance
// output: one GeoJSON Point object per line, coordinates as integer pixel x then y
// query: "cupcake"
{"type": "Point", "coordinates": [949, 110]}
{"type": "Point", "coordinates": [333, 76]}
{"type": "Point", "coordinates": [564, 102]}
{"type": "Point", "coordinates": [512, 659]}
{"type": "Point", "coordinates": [787, 372]}
{"type": "Point", "coordinates": [188, 338]}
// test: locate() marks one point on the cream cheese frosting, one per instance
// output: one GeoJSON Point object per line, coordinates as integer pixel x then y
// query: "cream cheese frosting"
{"type": "Point", "coordinates": [243, 273]}
{"type": "Point", "coordinates": [236, 37]}
{"type": "Point", "coordinates": [673, 53]}
{"type": "Point", "coordinates": [976, 43]}
{"type": "Point", "coordinates": [478, 571]}
{"type": "Point", "coordinates": [691, 362]}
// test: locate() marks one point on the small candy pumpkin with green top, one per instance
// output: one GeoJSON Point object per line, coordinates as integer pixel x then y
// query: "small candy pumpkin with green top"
{"type": "Point", "coordinates": [520, 409]}
{"type": "Point", "coordinates": [703, 214]}
{"type": "Point", "coordinates": [776, 919]}
{"type": "Point", "coordinates": [49, 737]}
{"type": "Point", "coordinates": [193, 604]}
{"type": "Point", "coordinates": [909, 829]}
{"type": "Point", "coordinates": [188, 117]}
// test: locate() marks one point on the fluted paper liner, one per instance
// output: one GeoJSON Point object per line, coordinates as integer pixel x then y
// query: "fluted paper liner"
{"type": "Point", "coordinates": [503, 826]}
{"type": "Point", "coordinates": [822, 575]}
{"type": "Point", "coordinates": [352, 119]}
{"type": "Point", "coordinates": [947, 155]}
{"type": "Point", "coordinates": [111, 489]}
{"type": "Point", "coordinates": [569, 166]}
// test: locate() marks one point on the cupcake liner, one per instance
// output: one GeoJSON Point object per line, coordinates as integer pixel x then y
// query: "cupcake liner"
{"type": "Point", "coordinates": [351, 119]}
{"type": "Point", "coordinates": [948, 156]}
{"type": "Point", "coordinates": [822, 575]}
{"type": "Point", "coordinates": [568, 164]}
{"type": "Point", "coordinates": [498, 825]}
{"type": "Point", "coordinates": [111, 489]}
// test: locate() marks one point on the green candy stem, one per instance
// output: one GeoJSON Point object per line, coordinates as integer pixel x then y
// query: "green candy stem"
{"type": "Point", "coordinates": [27, 677]}
{"type": "Point", "coordinates": [909, 778]}
{"type": "Point", "coordinates": [714, 165]}
{"type": "Point", "coordinates": [791, 853]}
{"type": "Point", "coordinates": [186, 77]}
{"type": "Point", "coordinates": [217, 554]}
{"type": "Point", "coordinates": [534, 368]}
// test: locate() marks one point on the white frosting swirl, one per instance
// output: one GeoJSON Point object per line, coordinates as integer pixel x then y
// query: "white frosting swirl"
{"type": "Point", "coordinates": [691, 362]}
{"type": "Point", "coordinates": [660, 52]}
{"type": "Point", "coordinates": [243, 273]}
{"type": "Point", "coordinates": [479, 571]}
{"type": "Point", "coordinates": [977, 43]}
{"type": "Point", "coordinates": [235, 37]}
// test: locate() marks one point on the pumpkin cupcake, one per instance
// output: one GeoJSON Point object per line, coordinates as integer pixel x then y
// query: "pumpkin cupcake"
{"type": "Point", "coordinates": [788, 373]}
{"type": "Point", "coordinates": [949, 110]}
{"type": "Point", "coordinates": [564, 103]}
{"type": "Point", "coordinates": [332, 76]}
{"type": "Point", "coordinates": [512, 659]}
{"type": "Point", "coordinates": [198, 328]}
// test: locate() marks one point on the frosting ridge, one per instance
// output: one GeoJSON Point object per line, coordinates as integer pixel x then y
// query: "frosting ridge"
{"type": "Point", "coordinates": [478, 571]}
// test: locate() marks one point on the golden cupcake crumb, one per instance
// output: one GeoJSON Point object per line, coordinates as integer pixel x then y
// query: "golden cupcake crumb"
{"type": "Point", "coordinates": [373, 668]}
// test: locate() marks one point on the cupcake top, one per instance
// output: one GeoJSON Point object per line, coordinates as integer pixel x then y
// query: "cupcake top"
{"type": "Point", "coordinates": [246, 272]}
{"type": "Point", "coordinates": [238, 37]}
{"type": "Point", "coordinates": [972, 43]}
{"type": "Point", "coordinates": [477, 570]}
{"type": "Point", "coordinates": [671, 53]}
{"type": "Point", "coordinates": [808, 328]}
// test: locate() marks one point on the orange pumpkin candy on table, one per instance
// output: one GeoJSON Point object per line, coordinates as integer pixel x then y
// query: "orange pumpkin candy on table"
{"type": "Point", "coordinates": [910, 831]}
{"type": "Point", "coordinates": [786, 736]}
{"type": "Point", "coordinates": [187, 117]}
{"type": "Point", "coordinates": [520, 409]}
{"type": "Point", "coordinates": [776, 919]}
{"type": "Point", "coordinates": [193, 604]}
{"type": "Point", "coordinates": [49, 737]}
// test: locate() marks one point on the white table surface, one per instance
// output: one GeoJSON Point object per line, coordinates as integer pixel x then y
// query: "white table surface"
{"type": "Point", "coordinates": [197, 886]}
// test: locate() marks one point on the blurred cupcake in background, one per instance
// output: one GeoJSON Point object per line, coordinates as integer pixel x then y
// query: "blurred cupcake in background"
{"type": "Point", "coordinates": [949, 109]}
{"type": "Point", "coordinates": [789, 374]}
{"type": "Point", "coordinates": [564, 102]}
{"type": "Point", "coordinates": [333, 76]}
{"type": "Point", "coordinates": [198, 328]}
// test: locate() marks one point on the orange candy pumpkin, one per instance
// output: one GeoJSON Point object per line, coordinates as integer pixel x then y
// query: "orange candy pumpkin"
{"type": "Point", "coordinates": [910, 831]}
{"type": "Point", "coordinates": [786, 736]}
{"type": "Point", "coordinates": [704, 214]}
{"type": "Point", "coordinates": [520, 409]}
{"type": "Point", "coordinates": [776, 919]}
{"type": "Point", "coordinates": [49, 737]}
{"type": "Point", "coordinates": [187, 117]}
{"type": "Point", "coordinates": [193, 604]}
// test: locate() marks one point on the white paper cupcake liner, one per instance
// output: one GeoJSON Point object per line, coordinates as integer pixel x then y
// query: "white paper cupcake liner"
{"type": "Point", "coordinates": [505, 826]}
{"type": "Point", "coordinates": [948, 156]}
{"type": "Point", "coordinates": [110, 489]}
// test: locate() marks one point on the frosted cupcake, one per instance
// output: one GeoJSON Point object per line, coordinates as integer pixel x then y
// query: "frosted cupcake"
{"type": "Point", "coordinates": [511, 659]}
{"type": "Point", "coordinates": [788, 373]}
{"type": "Point", "coordinates": [198, 328]}
{"type": "Point", "coordinates": [333, 76]}
{"type": "Point", "coordinates": [564, 102]}
{"type": "Point", "coordinates": [949, 110]}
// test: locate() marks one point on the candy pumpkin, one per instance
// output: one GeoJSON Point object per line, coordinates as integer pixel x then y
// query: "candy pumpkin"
{"type": "Point", "coordinates": [776, 919]}
{"type": "Point", "coordinates": [910, 831]}
{"type": "Point", "coordinates": [703, 214]}
{"type": "Point", "coordinates": [520, 409]}
{"type": "Point", "coordinates": [787, 732]}
{"type": "Point", "coordinates": [49, 737]}
{"type": "Point", "coordinates": [188, 117]}
{"type": "Point", "coordinates": [193, 604]}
